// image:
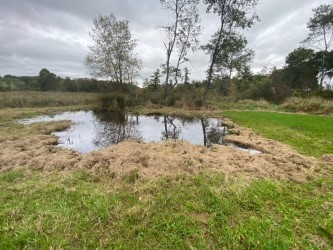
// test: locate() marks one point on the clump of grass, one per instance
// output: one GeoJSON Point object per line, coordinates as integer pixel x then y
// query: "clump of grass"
{"type": "Point", "coordinates": [11, 176]}
{"type": "Point", "coordinates": [315, 105]}
{"type": "Point", "coordinates": [110, 102]}
{"type": "Point", "coordinates": [131, 177]}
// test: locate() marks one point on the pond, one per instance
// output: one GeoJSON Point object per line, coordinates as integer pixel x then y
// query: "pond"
{"type": "Point", "coordinates": [94, 131]}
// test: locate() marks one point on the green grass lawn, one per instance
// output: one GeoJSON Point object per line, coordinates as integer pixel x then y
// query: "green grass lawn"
{"type": "Point", "coordinates": [78, 211]}
{"type": "Point", "coordinates": [309, 134]}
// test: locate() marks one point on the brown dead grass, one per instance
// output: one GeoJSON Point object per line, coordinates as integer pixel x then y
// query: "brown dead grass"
{"type": "Point", "coordinates": [35, 148]}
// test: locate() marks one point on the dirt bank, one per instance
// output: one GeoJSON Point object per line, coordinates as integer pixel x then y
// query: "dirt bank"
{"type": "Point", "coordinates": [37, 150]}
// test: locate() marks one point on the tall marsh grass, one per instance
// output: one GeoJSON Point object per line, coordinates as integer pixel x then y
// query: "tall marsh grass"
{"type": "Point", "coordinates": [22, 99]}
{"type": "Point", "coordinates": [315, 105]}
{"type": "Point", "coordinates": [229, 103]}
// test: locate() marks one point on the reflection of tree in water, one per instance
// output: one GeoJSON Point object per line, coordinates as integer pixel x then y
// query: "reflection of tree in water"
{"type": "Point", "coordinates": [115, 127]}
{"type": "Point", "coordinates": [213, 134]}
{"type": "Point", "coordinates": [171, 132]}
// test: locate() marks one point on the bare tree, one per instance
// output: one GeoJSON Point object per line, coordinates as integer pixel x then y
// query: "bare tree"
{"type": "Point", "coordinates": [182, 34]}
{"type": "Point", "coordinates": [321, 33]}
{"type": "Point", "coordinates": [112, 55]}
{"type": "Point", "coordinates": [234, 15]}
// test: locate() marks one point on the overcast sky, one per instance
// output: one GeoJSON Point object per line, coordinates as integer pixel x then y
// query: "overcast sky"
{"type": "Point", "coordinates": [54, 34]}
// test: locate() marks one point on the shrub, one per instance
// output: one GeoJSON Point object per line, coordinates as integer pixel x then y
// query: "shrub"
{"type": "Point", "coordinates": [108, 102]}
{"type": "Point", "coordinates": [104, 101]}
{"type": "Point", "coordinates": [327, 93]}
{"type": "Point", "coordinates": [120, 101]}
{"type": "Point", "coordinates": [155, 98]}
{"type": "Point", "coordinates": [171, 100]}
{"type": "Point", "coordinates": [261, 89]}
{"type": "Point", "coordinates": [281, 92]}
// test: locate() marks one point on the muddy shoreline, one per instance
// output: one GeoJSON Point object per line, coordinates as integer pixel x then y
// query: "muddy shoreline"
{"type": "Point", "coordinates": [36, 150]}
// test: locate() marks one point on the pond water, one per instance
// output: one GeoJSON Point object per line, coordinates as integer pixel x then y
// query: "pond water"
{"type": "Point", "coordinates": [93, 131]}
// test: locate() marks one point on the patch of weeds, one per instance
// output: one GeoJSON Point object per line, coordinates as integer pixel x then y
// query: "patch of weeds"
{"type": "Point", "coordinates": [82, 175]}
{"type": "Point", "coordinates": [131, 177]}
{"type": "Point", "coordinates": [11, 176]}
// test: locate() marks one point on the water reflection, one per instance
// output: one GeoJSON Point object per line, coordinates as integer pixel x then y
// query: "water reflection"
{"type": "Point", "coordinates": [93, 131]}
{"type": "Point", "coordinates": [115, 127]}
{"type": "Point", "coordinates": [171, 132]}
{"type": "Point", "coordinates": [213, 133]}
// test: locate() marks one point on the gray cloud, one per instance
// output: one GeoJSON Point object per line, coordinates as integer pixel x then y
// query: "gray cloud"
{"type": "Point", "coordinates": [54, 34]}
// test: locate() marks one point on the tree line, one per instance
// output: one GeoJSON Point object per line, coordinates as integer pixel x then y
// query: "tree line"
{"type": "Point", "coordinates": [112, 56]}
{"type": "Point", "coordinates": [48, 81]}
{"type": "Point", "coordinates": [228, 73]}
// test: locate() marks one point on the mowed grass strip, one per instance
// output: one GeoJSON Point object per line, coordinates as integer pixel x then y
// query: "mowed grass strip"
{"type": "Point", "coordinates": [309, 134]}
{"type": "Point", "coordinates": [79, 211]}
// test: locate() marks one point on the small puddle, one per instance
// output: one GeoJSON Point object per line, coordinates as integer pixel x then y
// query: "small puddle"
{"type": "Point", "coordinates": [94, 131]}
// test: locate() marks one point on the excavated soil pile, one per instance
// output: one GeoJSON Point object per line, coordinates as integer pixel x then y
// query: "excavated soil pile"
{"type": "Point", "coordinates": [153, 160]}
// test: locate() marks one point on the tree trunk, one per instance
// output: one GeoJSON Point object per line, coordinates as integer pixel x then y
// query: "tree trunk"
{"type": "Point", "coordinates": [167, 72]}
{"type": "Point", "coordinates": [212, 63]}
{"type": "Point", "coordinates": [166, 128]}
{"type": "Point", "coordinates": [322, 73]}
{"type": "Point", "coordinates": [170, 48]}
{"type": "Point", "coordinates": [204, 131]}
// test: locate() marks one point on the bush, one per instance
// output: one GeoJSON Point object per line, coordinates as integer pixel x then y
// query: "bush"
{"type": "Point", "coordinates": [281, 92]}
{"type": "Point", "coordinates": [155, 98]}
{"type": "Point", "coordinates": [120, 101]}
{"type": "Point", "coordinates": [171, 100]}
{"type": "Point", "coordinates": [327, 93]}
{"type": "Point", "coordinates": [104, 101]}
{"type": "Point", "coordinates": [259, 90]}
{"type": "Point", "coordinates": [110, 102]}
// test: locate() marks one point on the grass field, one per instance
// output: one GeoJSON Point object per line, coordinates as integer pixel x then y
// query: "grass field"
{"type": "Point", "coordinates": [77, 210]}
{"type": "Point", "coordinates": [24, 99]}
{"type": "Point", "coordinates": [309, 134]}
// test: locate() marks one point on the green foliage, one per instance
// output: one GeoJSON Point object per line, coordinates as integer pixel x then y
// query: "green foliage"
{"type": "Point", "coordinates": [192, 99]}
{"type": "Point", "coordinates": [320, 36]}
{"type": "Point", "coordinates": [233, 54]}
{"type": "Point", "coordinates": [110, 102]}
{"type": "Point", "coordinates": [233, 16]}
{"type": "Point", "coordinates": [12, 83]}
{"type": "Point", "coordinates": [281, 92]}
{"type": "Point", "coordinates": [302, 69]}
{"type": "Point", "coordinates": [171, 100]}
{"type": "Point", "coordinates": [309, 134]}
{"type": "Point", "coordinates": [11, 176]}
{"type": "Point", "coordinates": [47, 80]}
{"type": "Point", "coordinates": [155, 80]}
{"type": "Point", "coordinates": [324, 93]}
{"type": "Point", "coordinates": [182, 96]}
{"type": "Point", "coordinates": [221, 85]}
{"type": "Point", "coordinates": [281, 89]}
{"type": "Point", "coordinates": [259, 90]}
{"type": "Point", "coordinates": [112, 55]}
